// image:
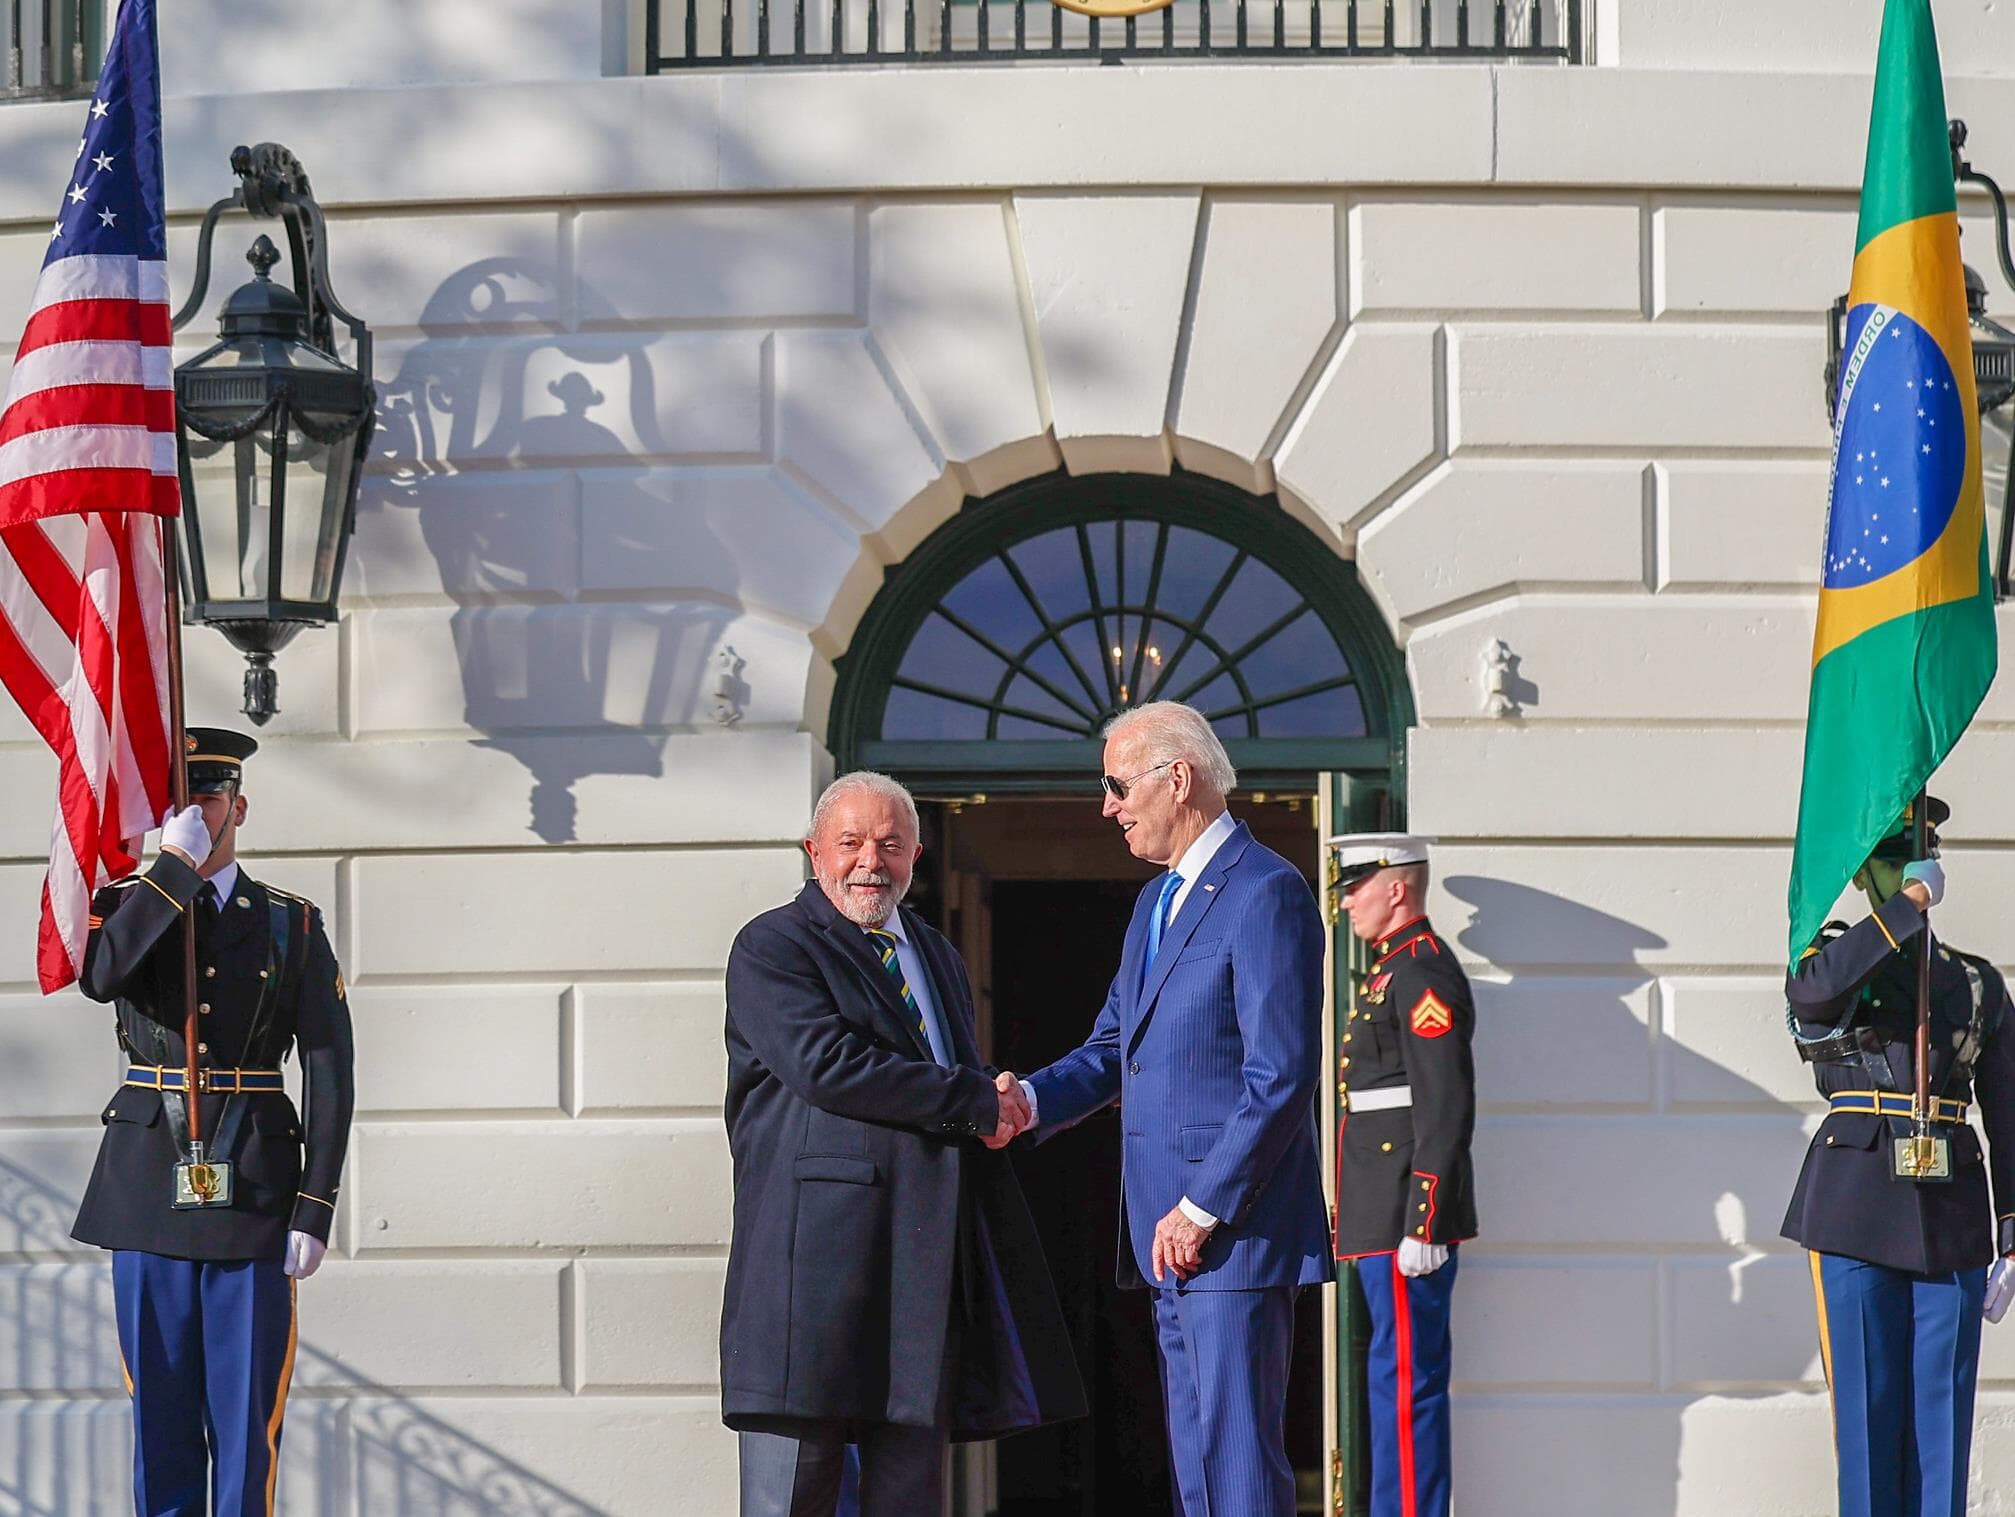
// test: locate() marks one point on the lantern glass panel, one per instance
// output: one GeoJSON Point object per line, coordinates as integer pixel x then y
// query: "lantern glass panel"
{"type": "Point", "coordinates": [1997, 431]}
{"type": "Point", "coordinates": [236, 486]}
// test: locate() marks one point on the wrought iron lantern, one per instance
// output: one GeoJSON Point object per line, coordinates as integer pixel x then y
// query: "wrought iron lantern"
{"type": "Point", "coordinates": [272, 428]}
{"type": "Point", "coordinates": [1993, 361]}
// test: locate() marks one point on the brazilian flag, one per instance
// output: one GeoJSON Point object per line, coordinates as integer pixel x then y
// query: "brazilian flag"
{"type": "Point", "coordinates": [1904, 650]}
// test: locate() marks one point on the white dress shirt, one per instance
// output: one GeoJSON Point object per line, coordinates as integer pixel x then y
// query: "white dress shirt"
{"type": "Point", "coordinates": [225, 879]}
{"type": "Point", "coordinates": [919, 979]}
{"type": "Point", "coordinates": [1195, 859]}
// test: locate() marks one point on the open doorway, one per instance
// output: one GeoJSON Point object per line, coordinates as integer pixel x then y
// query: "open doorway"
{"type": "Point", "coordinates": [1036, 894]}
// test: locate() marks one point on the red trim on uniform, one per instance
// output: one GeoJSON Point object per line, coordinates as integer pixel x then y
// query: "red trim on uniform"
{"type": "Point", "coordinates": [1402, 1321]}
{"type": "Point", "coordinates": [1336, 1209]}
{"type": "Point", "coordinates": [1402, 927]}
{"type": "Point", "coordinates": [1379, 1253]}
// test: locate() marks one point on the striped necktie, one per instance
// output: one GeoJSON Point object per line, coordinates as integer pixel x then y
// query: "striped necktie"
{"type": "Point", "coordinates": [885, 945]}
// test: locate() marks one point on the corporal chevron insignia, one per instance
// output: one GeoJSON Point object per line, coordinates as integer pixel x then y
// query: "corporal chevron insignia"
{"type": "Point", "coordinates": [1430, 1017]}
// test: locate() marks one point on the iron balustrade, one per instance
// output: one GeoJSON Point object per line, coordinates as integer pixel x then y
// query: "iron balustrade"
{"type": "Point", "coordinates": [53, 47]}
{"type": "Point", "coordinates": [682, 34]}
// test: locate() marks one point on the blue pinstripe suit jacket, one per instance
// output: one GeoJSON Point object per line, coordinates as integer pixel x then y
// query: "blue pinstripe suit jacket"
{"type": "Point", "coordinates": [1214, 1054]}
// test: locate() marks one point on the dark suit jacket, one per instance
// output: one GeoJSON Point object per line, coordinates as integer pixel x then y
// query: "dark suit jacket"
{"type": "Point", "coordinates": [1214, 1053]}
{"type": "Point", "coordinates": [877, 1244]}
{"type": "Point", "coordinates": [286, 1168]}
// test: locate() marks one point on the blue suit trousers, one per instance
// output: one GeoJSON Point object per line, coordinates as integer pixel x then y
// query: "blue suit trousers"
{"type": "Point", "coordinates": [1901, 1353]}
{"type": "Point", "coordinates": [1224, 1362]}
{"type": "Point", "coordinates": [208, 1350]}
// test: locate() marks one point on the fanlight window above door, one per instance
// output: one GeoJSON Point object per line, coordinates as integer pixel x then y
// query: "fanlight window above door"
{"type": "Point", "coordinates": [996, 653]}
{"type": "Point", "coordinates": [1050, 637]}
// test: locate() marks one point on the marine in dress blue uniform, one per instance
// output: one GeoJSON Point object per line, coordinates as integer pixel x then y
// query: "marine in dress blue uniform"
{"type": "Point", "coordinates": [1406, 1193]}
{"type": "Point", "coordinates": [1898, 1265]}
{"type": "Point", "coordinates": [204, 1296]}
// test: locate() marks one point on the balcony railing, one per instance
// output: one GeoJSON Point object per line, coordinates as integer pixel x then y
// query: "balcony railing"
{"type": "Point", "coordinates": [53, 47]}
{"type": "Point", "coordinates": [681, 34]}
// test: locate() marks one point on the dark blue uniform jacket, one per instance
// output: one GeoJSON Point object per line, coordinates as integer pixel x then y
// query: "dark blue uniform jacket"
{"type": "Point", "coordinates": [1847, 1201]}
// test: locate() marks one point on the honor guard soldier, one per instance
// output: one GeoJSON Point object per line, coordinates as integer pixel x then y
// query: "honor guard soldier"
{"type": "Point", "coordinates": [1405, 1197]}
{"type": "Point", "coordinates": [205, 1255]}
{"type": "Point", "coordinates": [1900, 1249]}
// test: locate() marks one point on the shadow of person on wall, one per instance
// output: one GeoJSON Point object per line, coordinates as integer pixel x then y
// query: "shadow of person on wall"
{"type": "Point", "coordinates": [575, 657]}
{"type": "Point", "coordinates": [1573, 1032]}
{"type": "Point", "coordinates": [349, 1445]}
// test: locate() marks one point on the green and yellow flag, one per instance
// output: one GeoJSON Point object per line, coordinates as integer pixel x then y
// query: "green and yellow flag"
{"type": "Point", "coordinates": [1905, 646]}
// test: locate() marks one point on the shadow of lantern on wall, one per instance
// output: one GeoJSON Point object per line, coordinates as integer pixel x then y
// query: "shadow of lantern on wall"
{"type": "Point", "coordinates": [272, 428]}
{"type": "Point", "coordinates": [1993, 374]}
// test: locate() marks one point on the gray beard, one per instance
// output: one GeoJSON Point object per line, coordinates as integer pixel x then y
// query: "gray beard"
{"type": "Point", "coordinates": [861, 913]}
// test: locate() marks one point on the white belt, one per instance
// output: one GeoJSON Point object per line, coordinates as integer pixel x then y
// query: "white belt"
{"type": "Point", "coordinates": [1388, 1098]}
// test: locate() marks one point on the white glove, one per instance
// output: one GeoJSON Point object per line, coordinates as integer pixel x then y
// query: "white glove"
{"type": "Point", "coordinates": [2000, 1290]}
{"type": "Point", "coordinates": [1930, 874]}
{"type": "Point", "coordinates": [304, 1255]}
{"type": "Point", "coordinates": [1417, 1258]}
{"type": "Point", "coordinates": [186, 830]}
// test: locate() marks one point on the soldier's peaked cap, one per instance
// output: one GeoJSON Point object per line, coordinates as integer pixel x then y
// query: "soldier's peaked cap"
{"type": "Point", "coordinates": [216, 756]}
{"type": "Point", "coordinates": [1900, 842]}
{"type": "Point", "coordinates": [1358, 854]}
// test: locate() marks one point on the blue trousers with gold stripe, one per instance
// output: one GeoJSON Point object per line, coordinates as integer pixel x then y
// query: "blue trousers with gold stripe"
{"type": "Point", "coordinates": [209, 1351]}
{"type": "Point", "coordinates": [1901, 1352]}
{"type": "Point", "coordinates": [1406, 1386]}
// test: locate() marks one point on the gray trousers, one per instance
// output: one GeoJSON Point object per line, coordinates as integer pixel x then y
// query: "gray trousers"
{"type": "Point", "coordinates": [902, 1470]}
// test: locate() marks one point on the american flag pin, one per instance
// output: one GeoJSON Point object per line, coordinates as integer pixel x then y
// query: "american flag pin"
{"type": "Point", "coordinates": [1210, 887]}
{"type": "Point", "coordinates": [242, 901]}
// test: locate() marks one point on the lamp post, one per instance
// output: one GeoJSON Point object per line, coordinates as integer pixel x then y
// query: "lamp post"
{"type": "Point", "coordinates": [1993, 352]}
{"type": "Point", "coordinates": [272, 429]}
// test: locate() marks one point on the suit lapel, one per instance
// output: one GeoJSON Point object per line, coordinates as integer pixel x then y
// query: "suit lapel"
{"type": "Point", "coordinates": [885, 1000]}
{"type": "Point", "coordinates": [1203, 895]}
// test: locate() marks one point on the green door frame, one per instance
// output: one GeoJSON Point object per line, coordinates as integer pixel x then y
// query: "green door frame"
{"type": "Point", "coordinates": [1359, 781]}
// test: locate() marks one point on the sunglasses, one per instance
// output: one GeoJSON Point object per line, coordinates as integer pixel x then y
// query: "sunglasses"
{"type": "Point", "coordinates": [1117, 788]}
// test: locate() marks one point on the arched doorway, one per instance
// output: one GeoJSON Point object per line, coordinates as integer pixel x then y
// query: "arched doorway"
{"type": "Point", "coordinates": [982, 675]}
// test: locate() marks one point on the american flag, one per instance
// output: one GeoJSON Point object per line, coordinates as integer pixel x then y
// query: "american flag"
{"type": "Point", "coordinates": [87, 476]}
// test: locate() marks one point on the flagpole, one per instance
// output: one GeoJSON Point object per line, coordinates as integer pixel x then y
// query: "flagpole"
{"type": "Point", "coordinates": [178, 787]}
{"type": "Point", "coordinates": [1922, 1107]}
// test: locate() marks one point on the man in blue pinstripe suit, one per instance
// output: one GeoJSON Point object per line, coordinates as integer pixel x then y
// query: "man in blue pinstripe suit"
{"type": "Point", "coordinates": [1211, 1042]}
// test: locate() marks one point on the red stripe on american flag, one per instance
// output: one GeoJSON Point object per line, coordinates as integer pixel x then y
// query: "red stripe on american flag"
{"type": "Point", "coordinates": [89, 490]}
{"type": "Point", "coordinates": [142, 723]}
{"type": "Point", "coordinates": [97, 320]}
{"type": "Point", "coordinates": [89, 406]}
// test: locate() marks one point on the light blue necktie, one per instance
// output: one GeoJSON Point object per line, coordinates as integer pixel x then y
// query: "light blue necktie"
{"type": "Point", "coordinates": [1159, 921]}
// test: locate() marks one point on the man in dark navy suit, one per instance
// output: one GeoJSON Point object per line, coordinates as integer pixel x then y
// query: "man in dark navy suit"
{"type": "Point", "coordinates": [1211, 1042]}
{"type": "Point", "coordinates": [1899, 1265]}
{"type": "Point", "coordinates": [885, 1287]}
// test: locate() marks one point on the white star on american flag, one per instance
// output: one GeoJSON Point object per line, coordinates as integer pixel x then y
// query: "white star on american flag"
{"type": "Point", "coordinates": [98, 110]}
{"type": "Point", "coordinates": [107, 217]}
{"type": "Point", "coordinates": [104, 161]}
{"type": "Point", "coordinates": [76, 194]}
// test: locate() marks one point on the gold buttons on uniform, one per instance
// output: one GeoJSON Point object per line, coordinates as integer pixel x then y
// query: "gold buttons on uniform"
{"type": "Point", "coordinates": [1422, 1206]}
{"type": "Point", "coordinates": [202, 1048]}
{"type": "Point", "coordinates": [1385, 1148]}
{"type": "Point", "coordinates": [210, 972]}
{"type": "Point", "coordinates": [1420, 1232]}
{"type": "Point", "coordinates": [1829, 1142]}
{"type": "Point", "coordinates": [204, 1008]}
{"type": "Point", "coordinates": [1346, 1061]}
{"type": "Point", "coordinates": [1348, 1036]}
{"type": "Point", "coordinates": [1423, 1185]}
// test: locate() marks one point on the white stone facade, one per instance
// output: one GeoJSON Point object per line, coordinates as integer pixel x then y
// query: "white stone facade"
{"type": "Point", "coordinates": [678, 365]}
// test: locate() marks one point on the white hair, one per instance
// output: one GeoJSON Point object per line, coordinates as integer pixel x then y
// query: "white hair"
{"type": "Point", "coordinates": [873, 784]}
{"type": "Point", "coordinates": [1169, 730]}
